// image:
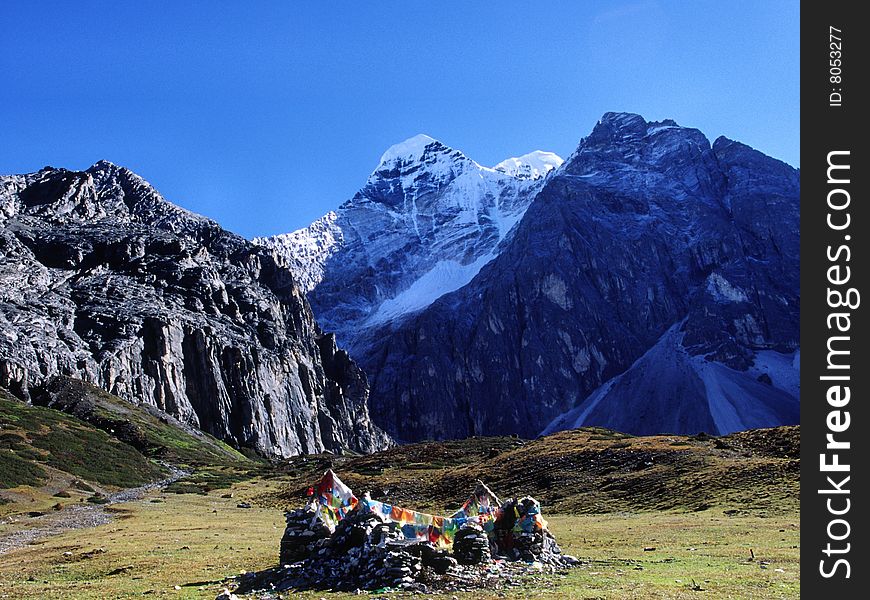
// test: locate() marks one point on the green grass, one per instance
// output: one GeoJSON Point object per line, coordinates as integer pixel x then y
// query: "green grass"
{"type": "Point", "coordinates": [197, 541]}
{"type": "Point", "coordinates": [15, 471]}
{"type": "Point", "coordinates": [94, 455]}
{"type": "Point", "coordinates": [154, 434]}
{"type": "Point", "coordinates": [36, 436]}
{"type": "Point", "coordinates": [217, 477]}
{"type": "Point", "coordinates": [702, 553]}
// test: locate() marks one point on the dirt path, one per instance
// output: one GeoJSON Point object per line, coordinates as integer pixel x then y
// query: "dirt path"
{"type": "Point", "coordinates": [79, 516]}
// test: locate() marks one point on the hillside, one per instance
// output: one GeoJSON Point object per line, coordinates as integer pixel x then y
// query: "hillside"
{"type": "Point", "coordinates": [37, 443]}
{"type": "Point", "coordinates": [152, 432]}
{"type": "Point", "coordinates": [589, 470]}
{"type": "Point", "coordinates": [49, 457]}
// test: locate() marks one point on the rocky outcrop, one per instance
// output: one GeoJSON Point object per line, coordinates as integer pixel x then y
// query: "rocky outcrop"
{"type": "Point", "coordinates": [103, 280]}
{"type": "Point", "coordinates": [646, 229]}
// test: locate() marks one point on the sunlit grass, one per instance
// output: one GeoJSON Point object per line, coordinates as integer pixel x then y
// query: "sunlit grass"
{"type": "Point", "coordinates": [195, 541]}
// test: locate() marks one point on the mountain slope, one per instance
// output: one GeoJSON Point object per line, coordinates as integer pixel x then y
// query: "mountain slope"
{"type": "Point", "coordinates": [589, 470]}
{"type": "Point", "coordinates": [39, 445]}
{"type": "Point", "coordinates": [103, 280]}
{"type": "Point", "coordinates": [152, 432]}
{"type": "Point", "coordinates": [424, 224]}
{"type": "Point", "coordinates": [83, 443]}
{"type": "Point", "coordinates": [668, 389]}
{"type": "Point", "coordinates": [646, 228]}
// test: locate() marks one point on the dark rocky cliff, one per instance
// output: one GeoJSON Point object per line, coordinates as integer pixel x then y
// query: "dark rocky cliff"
{"type": "Point", "coordinates": [103, 280]}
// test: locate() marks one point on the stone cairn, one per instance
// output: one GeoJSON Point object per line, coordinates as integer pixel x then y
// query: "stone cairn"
{"type": "Point", "coordinates": [364, 552]}
{"type": "Point", "coordinates": [471, 545]}
{"type": "Point", "coordinates": [368, 552]}
{"type": "Point", "coordinates": [529, 546]}
{"type": "Point", "coordinates": [303, 531]}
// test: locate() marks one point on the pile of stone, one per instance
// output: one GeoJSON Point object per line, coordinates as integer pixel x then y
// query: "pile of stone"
{"type": "Point", "coordinates": [437, 559]}
{"type": "Point", "coordinates": [537, 545]}
{"type": "Point", "coordinates": [530, 547]}
{"type": "Point", "coordinates": [303, 531]}
{"type": "Point", "coordinates": [369, 552]}
{"type": "Point", "coordinates": [364, 552]}
{"type": "Point", "coordinates": [471, 545]}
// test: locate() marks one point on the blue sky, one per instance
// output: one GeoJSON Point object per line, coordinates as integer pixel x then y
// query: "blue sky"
{"type": "Point", "coordinates": [264, 115]}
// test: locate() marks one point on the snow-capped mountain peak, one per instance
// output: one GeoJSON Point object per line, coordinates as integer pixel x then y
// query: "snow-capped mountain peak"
{"type": "Point", "coordinates": [411, 149]}
{"type": "Point", "coordinates": [533, 165]}
{"type": "Point", "coordinates": [492, 299]}
{"type": "Point", "coordinates": [426, 221]}
{"type": "Point", "coordinates": [418, 155]}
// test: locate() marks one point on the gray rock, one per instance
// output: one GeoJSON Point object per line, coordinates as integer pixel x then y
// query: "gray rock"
{"type": "Point", "coordinates": [103, 280]}
{"type": "Point", "coordinates": [471, 545]}
{"type": "Point", "coordinates": [365, 552]}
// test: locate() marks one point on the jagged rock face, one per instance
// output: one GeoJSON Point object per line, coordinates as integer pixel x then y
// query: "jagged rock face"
{"type": "Point", "coordinates": [103, 280]}
{"type": "Point", "coordinates": [651, 256]}
{"type": "Point", "coordinates": [426, 221]}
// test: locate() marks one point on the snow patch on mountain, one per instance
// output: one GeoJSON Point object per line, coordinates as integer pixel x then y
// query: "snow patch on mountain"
{"type": "Point", "coordinates": [306, 250]}
{"type": "Point", "coordinates": [409, 150]}
{"type": "Point", "coordinates": [533, 165]}
{"type": "Point", "coordinates": [446, 276]}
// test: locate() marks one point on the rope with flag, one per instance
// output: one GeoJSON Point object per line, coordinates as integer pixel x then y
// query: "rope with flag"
{"type": "Point", "coordinates": [334, 500]}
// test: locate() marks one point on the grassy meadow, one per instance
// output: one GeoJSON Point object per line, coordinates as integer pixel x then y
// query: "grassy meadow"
{"type": "Point", "coordinates": [650, 517]}
{"type": "Point", "coordinates": [185, 545]}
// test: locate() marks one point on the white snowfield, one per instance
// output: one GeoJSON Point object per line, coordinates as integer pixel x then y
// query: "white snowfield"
{"type": "Point", "coordinates": [446, 276]}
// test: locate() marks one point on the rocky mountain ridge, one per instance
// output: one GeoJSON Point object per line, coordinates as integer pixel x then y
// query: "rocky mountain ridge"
{"type": "Point", "coordinates": [647, 284]}
{"type": "Point", "coordinates": [103, 280]}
